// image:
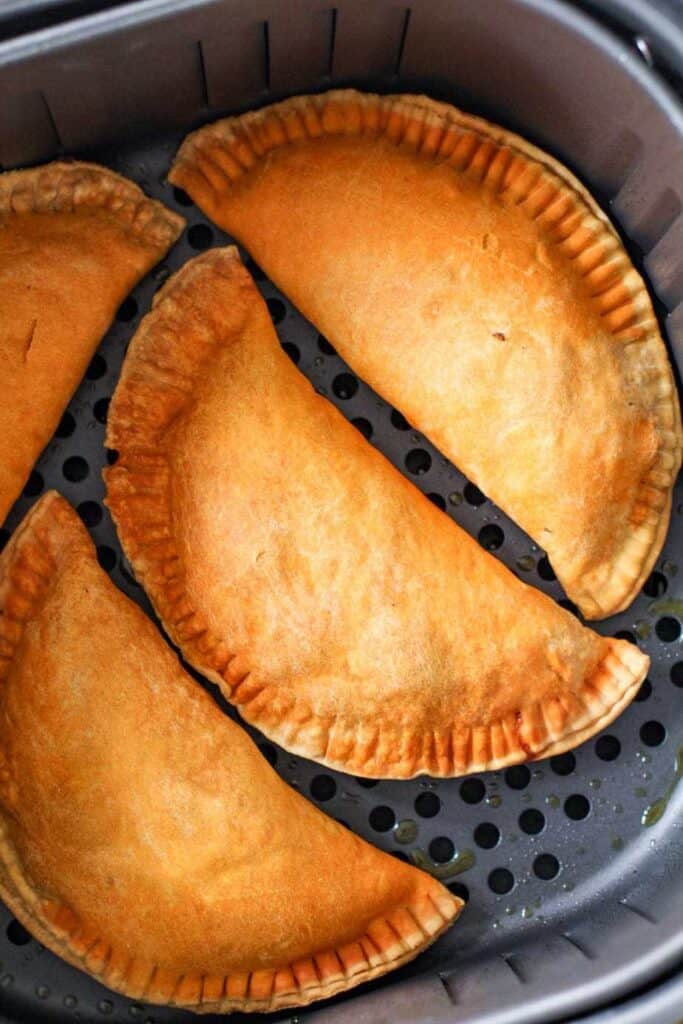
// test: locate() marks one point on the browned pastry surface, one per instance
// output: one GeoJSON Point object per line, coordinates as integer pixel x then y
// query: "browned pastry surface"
{"type": "Point", "coordinates": [471, 280]}
{"type": "Point", "coordinates": [143, 838]}
{"type": "Point", "coordinates": [345, 615]}
{"type": "Point", "coordinates": [74, 239]}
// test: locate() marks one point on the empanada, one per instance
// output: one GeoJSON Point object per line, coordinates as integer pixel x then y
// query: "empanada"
{"type": "Point", "coordinates": [74, 239]}
{"type": "Point", "coordinates": [471, 280]}
{"type": "Point", "coordinates": [142, 836]}
{"type": "Point", "coordinates": [346, 616]}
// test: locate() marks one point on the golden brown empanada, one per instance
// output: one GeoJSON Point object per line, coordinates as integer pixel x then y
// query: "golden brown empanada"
{"type": "Point", "coordinates": [74, 239]}
{"type": "Point", "coordinates": [345, 615]}
{"type": "Point", "coordinates": [474, 282]}
{"type": "Point", "coordinates": [143, 838]}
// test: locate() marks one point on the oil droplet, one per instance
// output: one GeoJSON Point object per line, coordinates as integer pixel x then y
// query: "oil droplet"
{"type": "Point", "coordinates": [618, 809]}
{"type": "Point", "coordinates": [568, 886]}
{"type": "Point", "coordinates": [671, 607]}
{"type": "Point", "coordinates": [513, 837]}
{"type": "Point", "coordinates": [496, 925]}
{"type": "Point", "coordinates": [552, 800]}
{"type": "Point", "coordinates": [617, 843]}
{"type": "Point", "coordinates": [462, 860]}
{"type": "Point", "coordinates": [537, 903]}
{"type": "Point", "coordinates": [526, 563]}
{"type": "Point", "coordinates": [640, 791]}
{"type": "Point", "coordinates": [135, 1011]}
{"type": "Point", "coordinates": [70, 1002]}
{"type": "Point", "coordinates": [405, 831]}
{"type": "Point", "coordinates": [42, 991]}
{"type": "Point", "coordinates": [595, 783]}
{"type": "Point", "coordinates": [526, 798]}
{"type": "Point", "coordinates": [652, 814]}
{"type": "Point", "coordinates": [642, 629]}
{"type": "Point", "coordinates": [670, 568]}
{"type": "Point", "coordinates": [581, 850]}
{"type": "Point", "coordinates": [537, 773]}
{"type": "Point", "coordinates": [527, 912]}
{"type": "Point", "coordinates": [6, 980]}
{"type": "Point", "coordinates": [510, 910]}
{"type": "Point", "coordinates": [318, 361]}
{"type": "Point", "coordinates": [647, 776]}
{"type": "Point", "coordinates": [105, 1006]}
{"type": "Point", "coordinates": [455, 498]}
{"type": "Point", "coordinates": [494, 800]}
{"type": "Point", "coordinates": [415, 438]}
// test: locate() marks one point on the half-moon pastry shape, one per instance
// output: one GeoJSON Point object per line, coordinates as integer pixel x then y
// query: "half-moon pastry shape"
{"type": "Point", "coordinates": [143, 838]}
{"type": "Point", "coordinates": [74, 239]}
{"type": "Point", "coordinates": [473, 281]}
{"type": "Point", "coordinates": [346, 616]}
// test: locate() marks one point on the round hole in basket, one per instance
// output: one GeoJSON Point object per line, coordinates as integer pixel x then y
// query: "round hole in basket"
{"type": "Point", "coordinates": [652, 733]}
{"type": "Point", "coordinates": [364, 427]}
{"type": "Point", "coordinates": [501, 881]}
{"type": "Point", "coordinates": [66, 427]}
{"type": "Point", "coordinates": [323, 788]}
{"type": "Point", "coordinates": [518, 776]}
{"type": "Point", "coordinates": [345, 385]}
{"type": "Point", "coordinates": [532, 821]}
{"type": "Point", "coordinates": [418, 461]}
{"type": "Point", "coordinates": [398, 420]}
{"type": "Point", "coordinates": [472, 791]}
{"type": "Point", "coordinates": [292, 351]}
{"type": "Point", "coordinates": [17, 934]}
{"type": "Point", "coordinates": [491, 537]}
{"type": "Point", "coordinates": [441, 849]}
{"type": "Point", "coordinates": [608, 748]}
{"type": "Point", "coordinates": [427, 805]}
{"type": "Point", "coordinates": [546, 866]}
{"type": "Point", "coordinates": [487, 835]}
{"type": "Point", "coordinates": [200, 236]}
{"type": "Point", "coordinates": [277, 310]}
{"type": "Point", "coordinates": [325, 347]}
{"type": "Point", "coordinates": [577, 807]}
{"type": "Point", "coordinates": [668, 629]}
{"type": "Point", "coordinates": [382, 819]}
{"type": "Point", "coordinates": [90, 512]}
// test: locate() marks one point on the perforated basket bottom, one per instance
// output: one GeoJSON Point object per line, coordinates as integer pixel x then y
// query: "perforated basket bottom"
{"type": "Point", "coordinates": [532, 848]}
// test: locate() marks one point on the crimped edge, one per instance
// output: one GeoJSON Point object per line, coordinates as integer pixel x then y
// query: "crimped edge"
{"type": "Point", "coordinates": [213, 159]}
{"type": "Point", "coordinates": [27, 570]}
{"type": "Point", "coordinates": [65, 187]}
{"type": "Point", "coordinates": [156, 383]}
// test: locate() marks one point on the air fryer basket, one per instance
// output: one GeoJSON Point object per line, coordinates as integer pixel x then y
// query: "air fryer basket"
{"type": "Point", "coordinates": [573, 876]}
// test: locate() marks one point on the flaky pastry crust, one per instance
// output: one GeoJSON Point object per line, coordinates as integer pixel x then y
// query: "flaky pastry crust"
{"type": "Point", "coordinates": [475, 283]}
{"type": "Point", "coordinates": [143, 838]}
{"type": "Point", "coordinates": [345, 615]}
{"type": "Point", "coordinates": [74, 239]}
